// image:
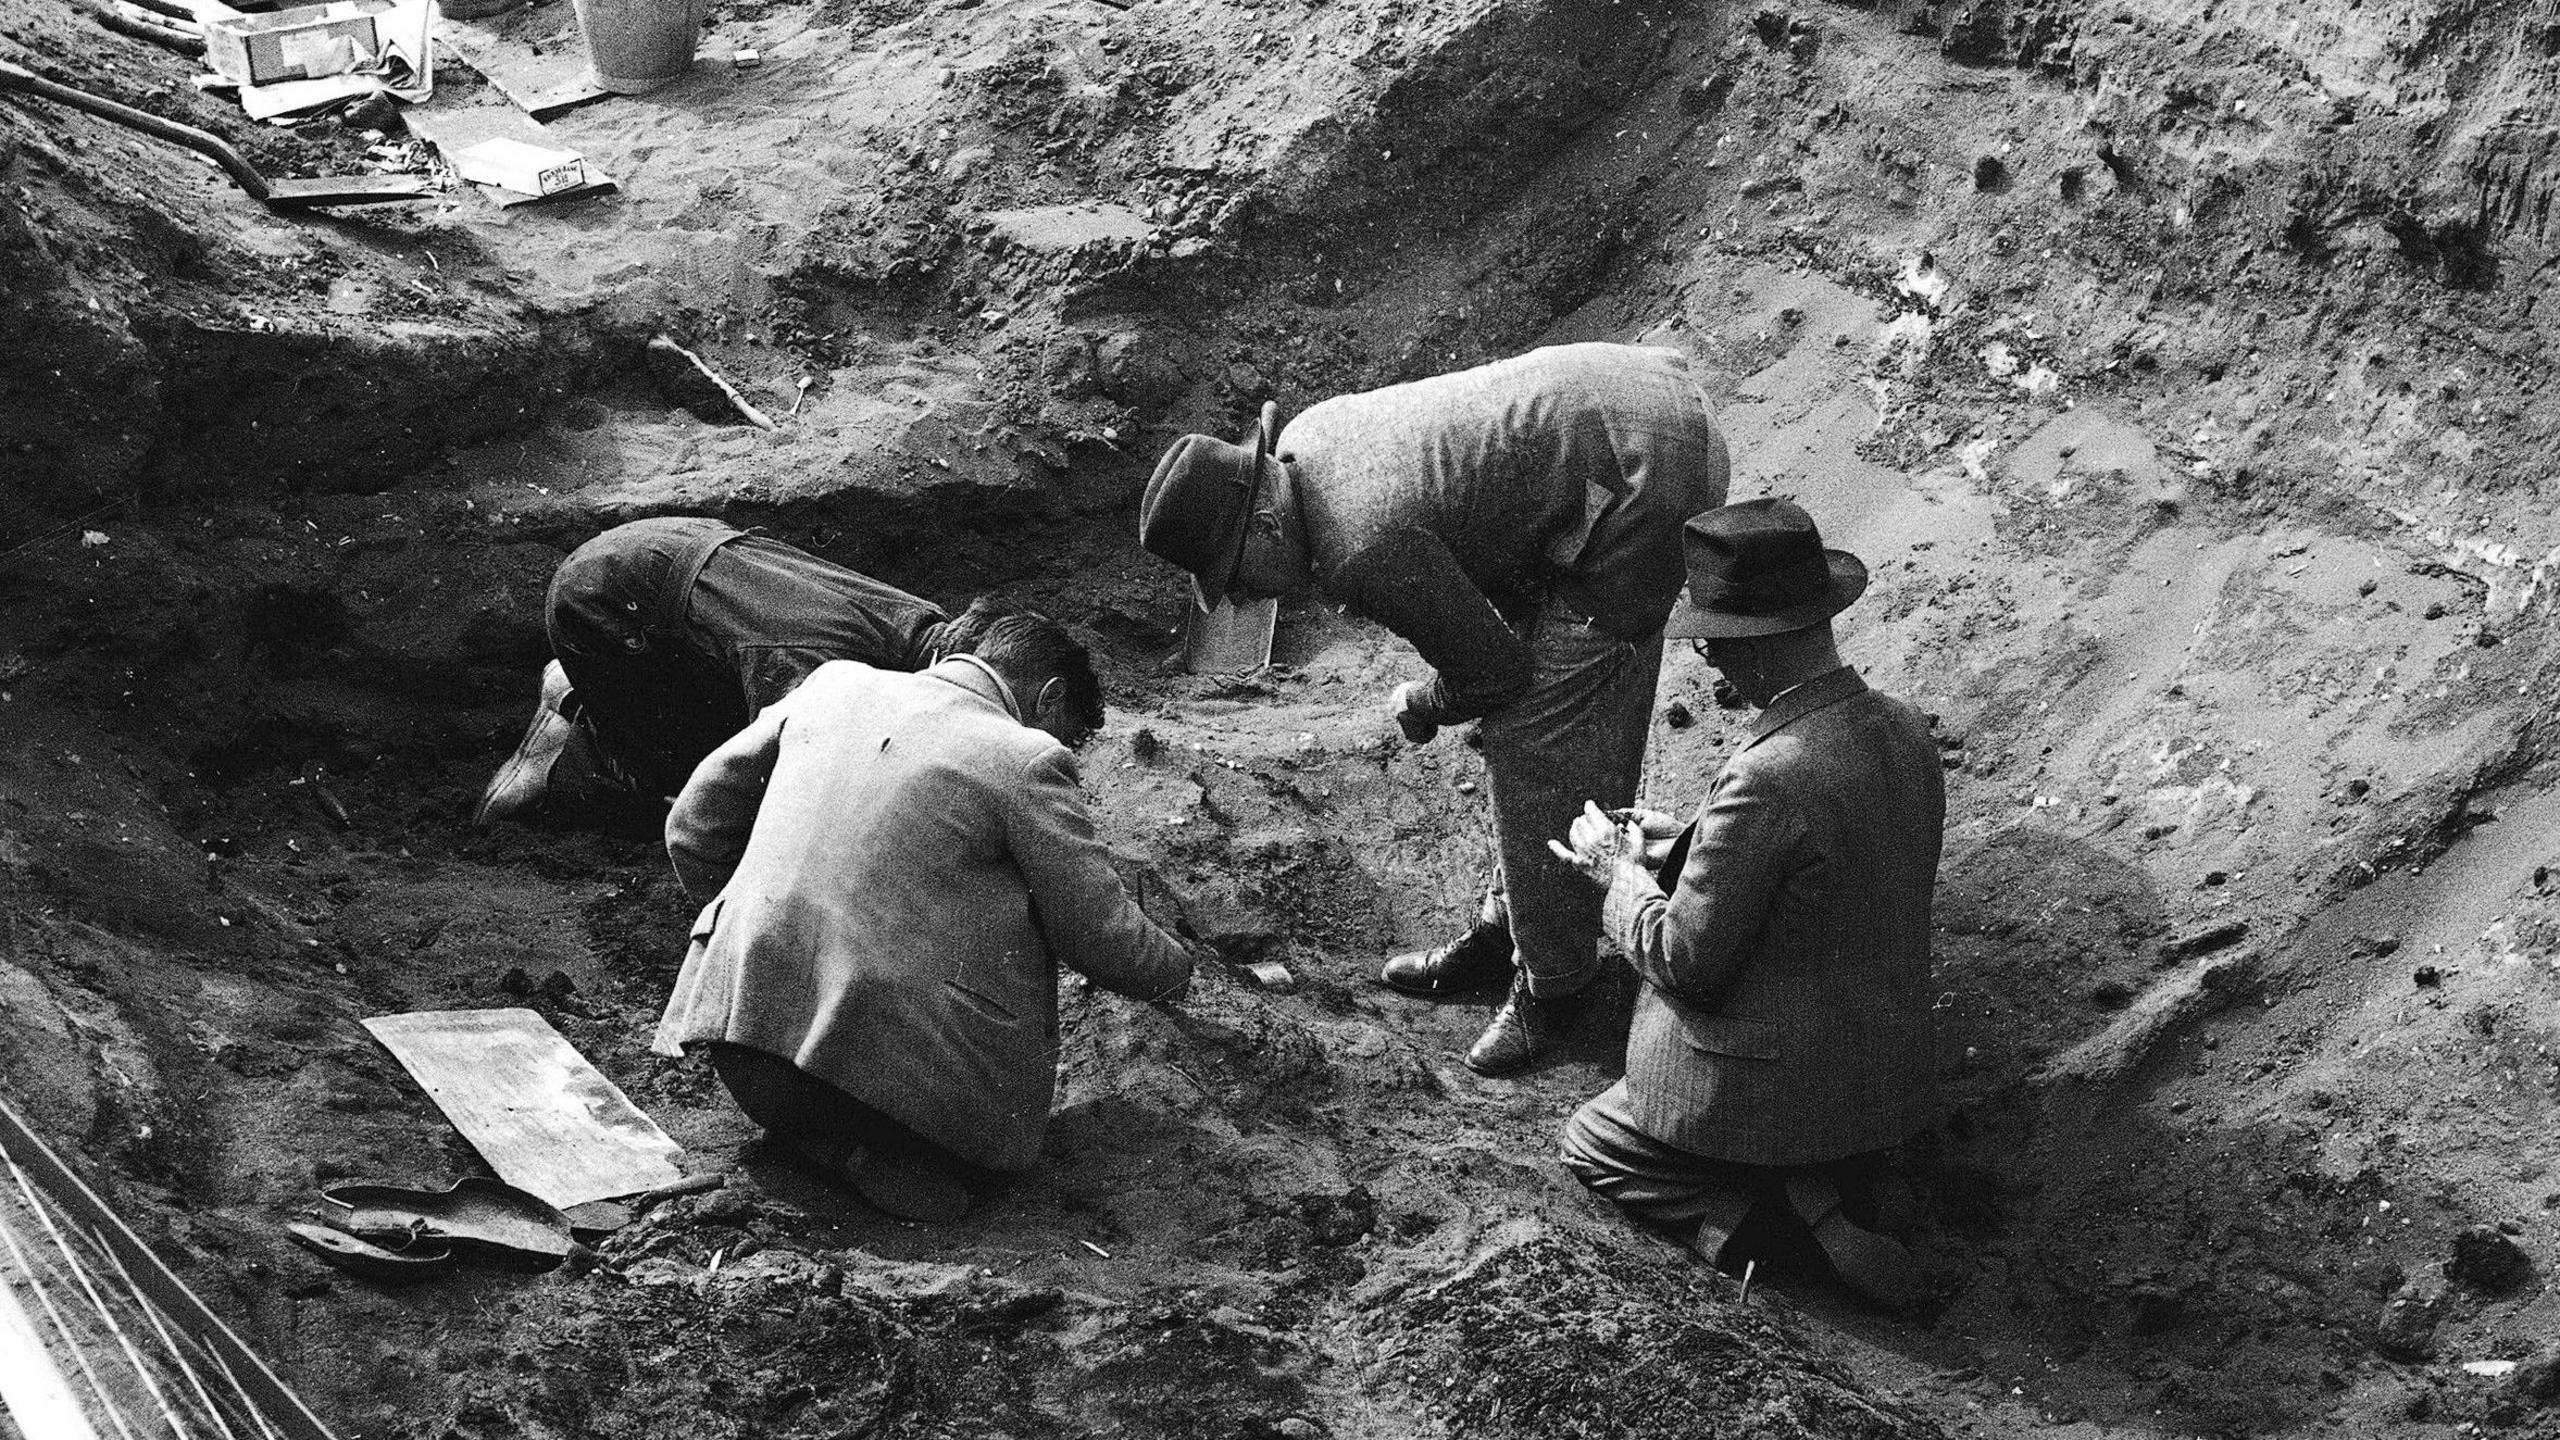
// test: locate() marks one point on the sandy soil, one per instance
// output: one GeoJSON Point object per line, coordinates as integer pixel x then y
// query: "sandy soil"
{"type": "Point", "coordinates": [2178, 375]}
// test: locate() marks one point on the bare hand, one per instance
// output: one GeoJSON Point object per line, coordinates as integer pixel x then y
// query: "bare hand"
{"type": "Point", "coordinates": [1597, 842]}
{"type": "Point", "coordinates": [1660, 829]}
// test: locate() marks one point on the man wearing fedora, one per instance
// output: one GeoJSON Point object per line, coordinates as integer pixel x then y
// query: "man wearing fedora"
{"type": "Point", "coordinates": [1781, 1039]}
{"type": "Point", "coordinates": [1518, 523]}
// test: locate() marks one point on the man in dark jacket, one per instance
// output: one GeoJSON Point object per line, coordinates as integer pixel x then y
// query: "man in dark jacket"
{"type": "Point", "coordinates": [1519, 524]}
{"type": "Point", "coordinates": [1781, 1038]}
{"type": "Point", "coordinates": [673, 632]}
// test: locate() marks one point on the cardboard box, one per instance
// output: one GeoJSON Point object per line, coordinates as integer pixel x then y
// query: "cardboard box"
{"type": "Point", "coordinates": [517, 165]}
{"type": "Point", "coordinates": [305, 42]}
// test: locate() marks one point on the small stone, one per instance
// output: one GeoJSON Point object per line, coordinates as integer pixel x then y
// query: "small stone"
{"type": "Point", "coordinates": [2428, 977]}
{"type": "Point", "coordinates": [1989, 173]}
{"type": "Point", "coordinates": [2435, 610]}
{"type": "Point", "coordinates": [1677, 716]}
{"type": "Point", "coordinates": [2406, 1328]}
{"type": "Point", "coordinates": [516, 981]}
{"type": "Point", "coordinates": [558, 986]}
{"type": "Point", "coordinates": [2359, 788]}
{"type": "Point", "coordinates": [2368, 587]}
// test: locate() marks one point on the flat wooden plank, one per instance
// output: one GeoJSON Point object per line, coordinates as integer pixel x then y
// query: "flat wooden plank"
{"type": "Point", "coordinates": [534, 54]}
{"type": "Point", "coordinates": [545, 1120]}
{"type": "Point", "coordinates": [453, 121]}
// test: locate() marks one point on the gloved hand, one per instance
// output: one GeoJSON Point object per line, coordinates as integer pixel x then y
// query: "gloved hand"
{"type": "Point", "coordinates": [1418, 731]}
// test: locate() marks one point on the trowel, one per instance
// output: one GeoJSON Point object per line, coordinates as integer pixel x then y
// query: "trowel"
{"type": "Point", "coordinates": [1231, 639]}
{"type": "Point", "coordinates": [275, 194]}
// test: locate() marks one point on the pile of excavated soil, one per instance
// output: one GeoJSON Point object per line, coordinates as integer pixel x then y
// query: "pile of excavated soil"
{"type": "Point", "coordinates": [2176, 372]}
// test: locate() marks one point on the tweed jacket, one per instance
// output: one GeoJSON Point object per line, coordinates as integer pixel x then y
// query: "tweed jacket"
{"type": "Point", "coordinates": [1452, 510]}
{"type": "Point", "coordinates": [894, 867]}
{"type": "Point", "coordinates": [1784, 1017]}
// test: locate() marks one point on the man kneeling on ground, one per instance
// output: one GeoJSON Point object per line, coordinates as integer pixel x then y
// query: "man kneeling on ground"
{"type": "Point", "coordinates": [891, 868]}
{"type": "Point", "coordinates": [1781, 1040]}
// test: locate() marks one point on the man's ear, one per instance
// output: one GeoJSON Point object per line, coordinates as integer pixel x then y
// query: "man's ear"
{"type": "Point", "coordinates": [1053, 695]}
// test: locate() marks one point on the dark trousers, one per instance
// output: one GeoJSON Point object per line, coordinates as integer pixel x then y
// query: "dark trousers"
{"type": "Point", "coordinates": [1682, 1191]}
{"type": "Point", "coordinates": [1578, 734]}
{"type": "Point", "coordinates": [811, 1116]}
{"type": "Point", "coordinates": [651, 702]}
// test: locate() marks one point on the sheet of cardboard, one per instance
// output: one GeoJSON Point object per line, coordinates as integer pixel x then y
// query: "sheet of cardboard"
{"type": "Point", "coordinates": [455, 120]}
{"type": "Point", "coordinates": [543, 1118]}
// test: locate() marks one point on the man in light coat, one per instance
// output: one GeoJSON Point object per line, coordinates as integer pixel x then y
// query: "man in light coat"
{"type": "Point", "coordinates": [669, 634]}
{"type": "Point", "coordinates": [1519, 524]}
{"type": "Point", "coordinates": [891, 869]}
{"type": "Point", "coordinates": [1782, 1035]}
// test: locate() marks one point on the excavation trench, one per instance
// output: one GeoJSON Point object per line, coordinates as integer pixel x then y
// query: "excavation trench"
{"type": "Point", "coordinates": [2244, 937]}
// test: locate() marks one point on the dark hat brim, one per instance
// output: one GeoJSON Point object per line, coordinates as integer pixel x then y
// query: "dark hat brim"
{"type": "Point", "coordinates": [1848, 582]}
{"type": "Point", "coordinates": [1208, 590]}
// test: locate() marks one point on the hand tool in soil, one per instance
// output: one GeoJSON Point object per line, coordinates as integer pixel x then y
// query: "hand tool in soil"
{"type": "Point", "coordinates": [486, 1218]}
{"type": "Point", "coordinates": [357, 1255]}
{"type": "Point", "coordinates": [275, 194]}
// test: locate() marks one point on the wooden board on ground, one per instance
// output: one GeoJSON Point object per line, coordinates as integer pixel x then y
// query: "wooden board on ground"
{"type": "Point", "coordinates": [454, 120]}
{"type": "Point", "coordinates": [545, 1120]}
{"type": "Point", "coordinates": [534, 54]}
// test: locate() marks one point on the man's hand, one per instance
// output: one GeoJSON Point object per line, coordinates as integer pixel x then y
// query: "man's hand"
{"type": "Point", "coordinates": [1659, 828]}
{"type": "Point", "coordinates": [1419, 732]}
{"type": "Point", "coordinates": [1597, 841]}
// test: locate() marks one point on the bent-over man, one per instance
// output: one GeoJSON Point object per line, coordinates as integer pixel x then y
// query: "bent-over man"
{"type": "Point", "coordinates": [1519, 524]}
{"type": "Point", "coordinates": [891, 869]}
{"type": "Point", "coordinates": [1781, 1038]}
{"type": "Point", "coordinates": [672, 632]}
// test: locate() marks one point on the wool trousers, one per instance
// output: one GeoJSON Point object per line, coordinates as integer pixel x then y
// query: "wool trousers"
{"type": "Point", "coordinates": [1679, 1189]}
{"type": "Point", "coordinates": [1578, 733]}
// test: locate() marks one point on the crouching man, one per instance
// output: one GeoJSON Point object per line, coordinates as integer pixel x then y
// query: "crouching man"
{"type": "Point", "coordinates": [672, 632]}
{"type": "Point", "coordinates": [1781, 1039]}
{"type": "Point", "coordinates": [891, 868]}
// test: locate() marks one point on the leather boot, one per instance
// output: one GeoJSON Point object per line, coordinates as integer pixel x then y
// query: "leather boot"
{"type": "Point", "coordinates": [518, 787]}
{"type": "Point", "coordinates": [1479, 957]}
{"type": "Point", "coordinates": [1876, 1266]}
{"type": "Point", "coordinates": [1525, 1028]}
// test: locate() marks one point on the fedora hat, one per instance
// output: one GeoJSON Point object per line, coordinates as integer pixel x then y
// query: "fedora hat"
{"type": "Point", "coordinates": [1757, 567]}
{"type": "Point", "coordinates": [1198, 501]}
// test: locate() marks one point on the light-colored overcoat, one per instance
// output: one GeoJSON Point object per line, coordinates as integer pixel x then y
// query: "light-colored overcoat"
{"type": "Point", "coordinates": [1785, 1016]}
{"type": "Point", "coordinates": [894, 867]}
